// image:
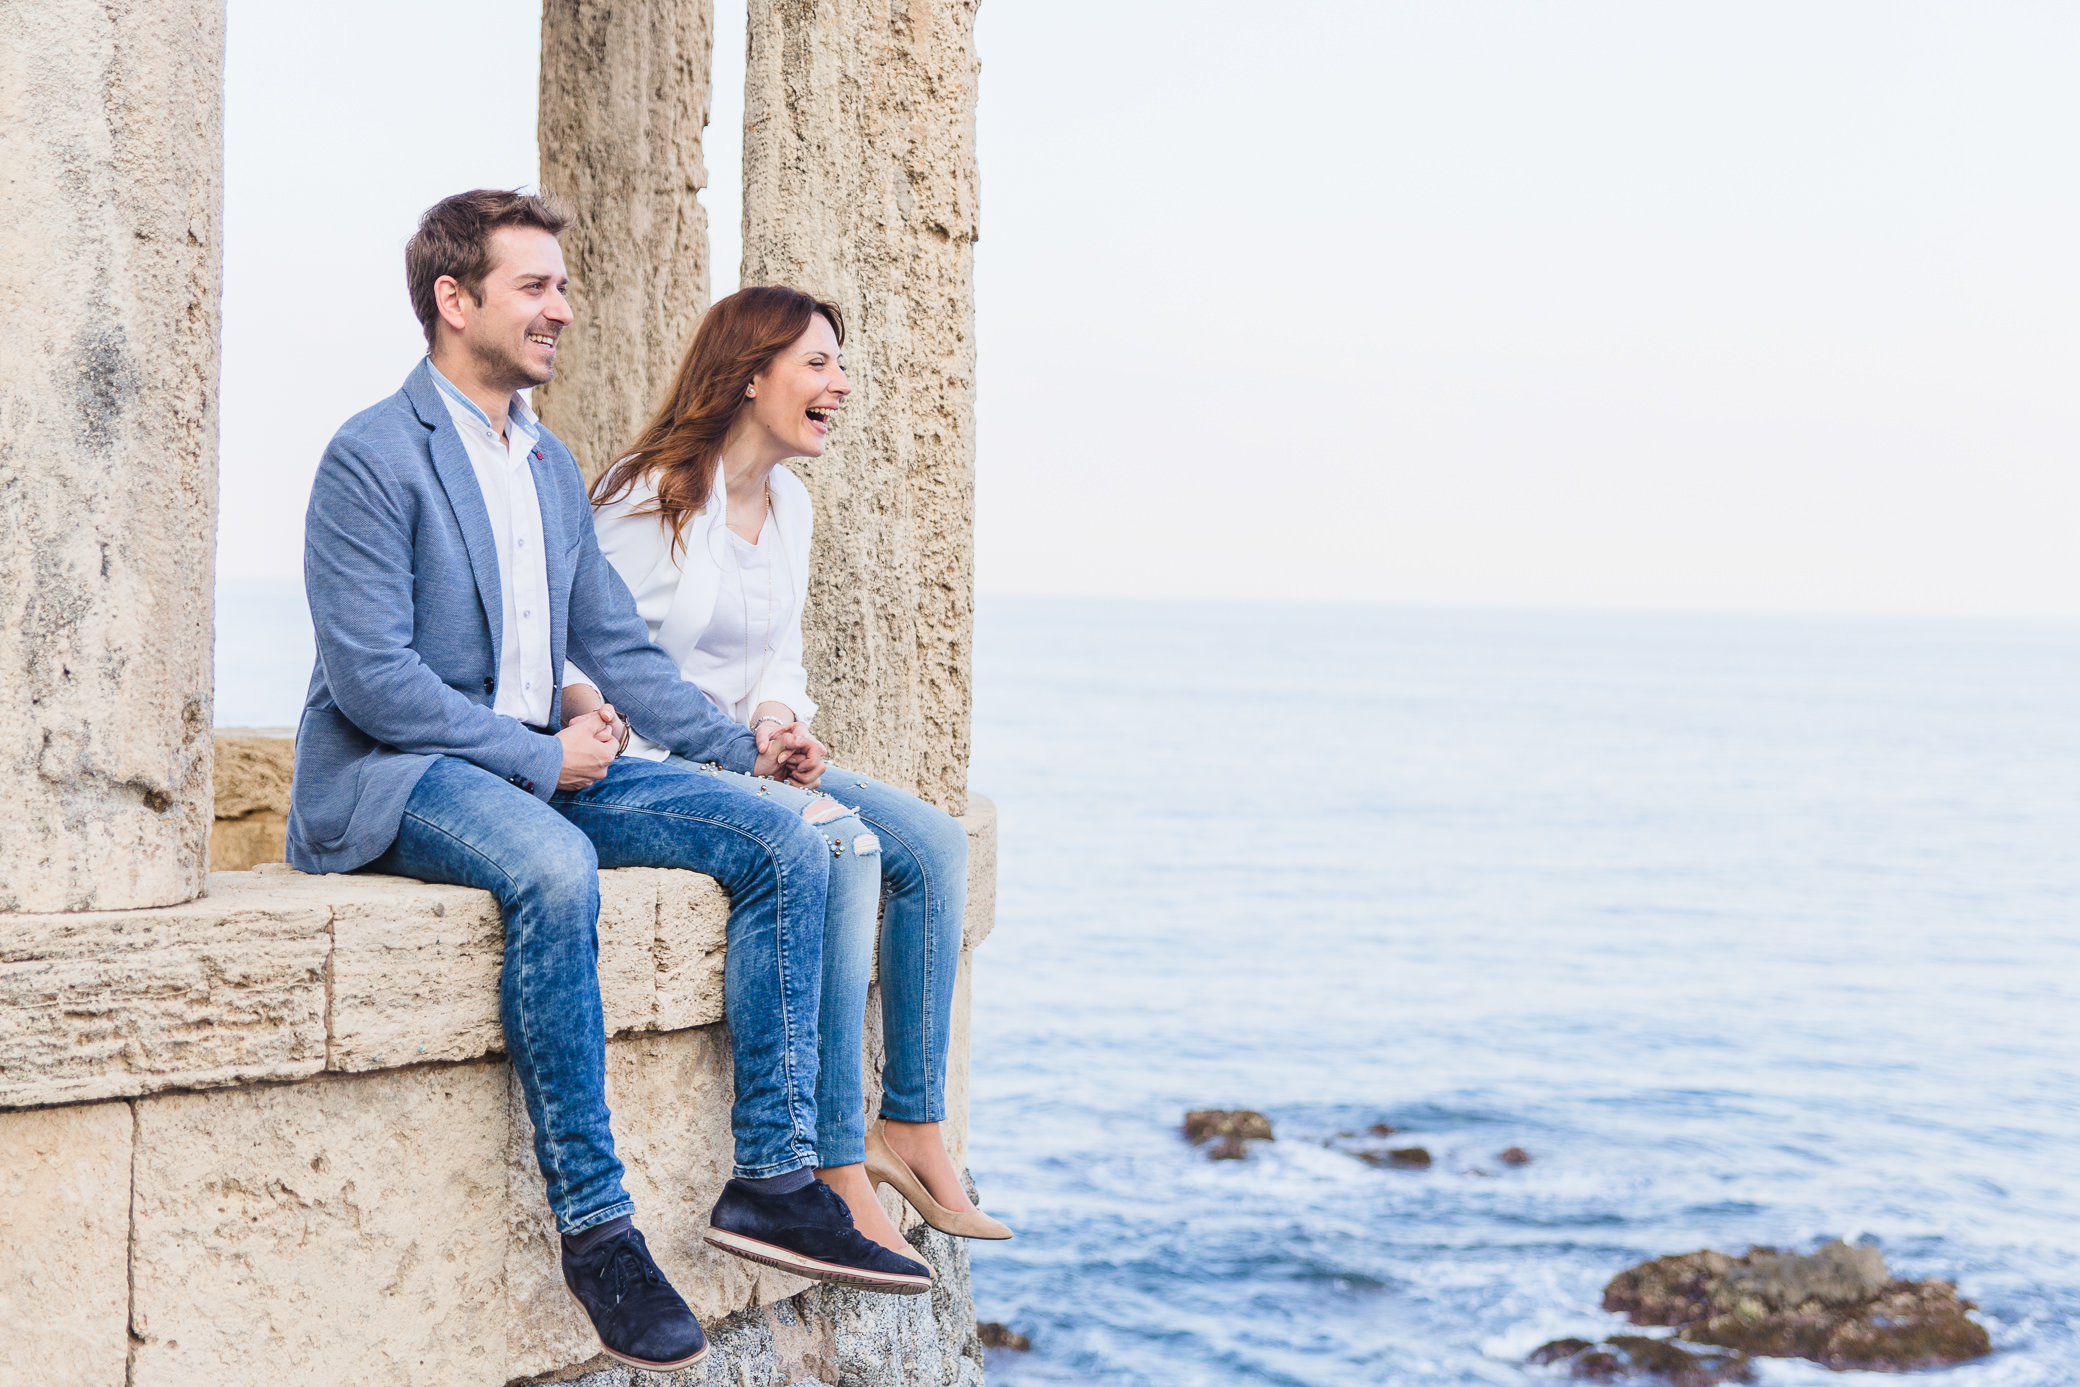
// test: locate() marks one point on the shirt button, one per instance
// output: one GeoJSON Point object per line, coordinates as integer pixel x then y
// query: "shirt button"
{"type": "Point", "coordinates": [527, 614]}
{"type": "Point", "coordinates": [520, 543]}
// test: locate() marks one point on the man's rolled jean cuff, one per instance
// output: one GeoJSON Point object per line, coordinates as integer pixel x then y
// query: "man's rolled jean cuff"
{"type": "Point", "coordinates": [768, 1172]}
{"type": "Point", "coordinates": [625, 1208]}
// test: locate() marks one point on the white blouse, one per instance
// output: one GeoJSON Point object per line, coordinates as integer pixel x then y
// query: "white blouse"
{"type": "Point", "coordinates": [716, 577]}
{"type": "Point", "coordinates": [735, 649]}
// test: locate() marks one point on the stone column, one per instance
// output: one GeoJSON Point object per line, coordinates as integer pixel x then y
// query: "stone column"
{"type": "Point", "coordinates": [860, 186]}
{"type": "Point", "coordinates": [624, 96]}
{"type": "Point", "coordinates": [111, 203]}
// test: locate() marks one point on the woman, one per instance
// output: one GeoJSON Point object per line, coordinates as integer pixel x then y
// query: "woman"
{"type": "Point", "coordinates": [711, 533]}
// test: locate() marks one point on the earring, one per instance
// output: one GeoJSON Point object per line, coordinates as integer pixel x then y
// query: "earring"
{"type": "Point", "coordinates": [750, 390]}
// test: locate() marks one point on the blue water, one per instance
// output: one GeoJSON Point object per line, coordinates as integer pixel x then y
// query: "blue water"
{"type": "Point", "coordinates": [1750, 930]}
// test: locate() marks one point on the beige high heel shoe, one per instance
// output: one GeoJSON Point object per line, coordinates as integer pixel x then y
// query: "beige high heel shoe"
{"type": "Point", "coordinates": [885, 1167]}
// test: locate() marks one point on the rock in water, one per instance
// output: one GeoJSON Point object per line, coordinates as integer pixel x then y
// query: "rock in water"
{"type": "Point", "coordinates": [1515, 1155]}
{"type": "Point", "coordinates": [1243, 1124]}
{"type": "Point", "coordinates": [1557, 1350]}
{"type": "Point", "coordinates": [1228, 1149]}
{"type": "Point", "coordinates": [1409, 1158]}
{"type": "Point", "coordinates": [994, 1335]}
{"type": "Point", "coordinates": [1636, 1355]}
{"type": "Point", "coordinates": [1839, 1306]}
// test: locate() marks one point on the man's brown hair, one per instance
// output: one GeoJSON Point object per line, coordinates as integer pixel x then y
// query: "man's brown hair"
{"type": "Point", "coordinates": [454, 238]}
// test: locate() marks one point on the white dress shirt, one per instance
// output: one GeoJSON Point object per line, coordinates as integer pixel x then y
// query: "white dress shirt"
{"type": "Point", "coordinates": [505, 476]}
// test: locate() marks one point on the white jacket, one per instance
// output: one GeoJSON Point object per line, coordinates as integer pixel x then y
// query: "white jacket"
{"type": "Point", "coordinates": [675, 592]}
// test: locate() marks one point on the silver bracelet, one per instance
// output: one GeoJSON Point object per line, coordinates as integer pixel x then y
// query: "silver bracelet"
{"type": "Point", "coordinates": [767, 718]}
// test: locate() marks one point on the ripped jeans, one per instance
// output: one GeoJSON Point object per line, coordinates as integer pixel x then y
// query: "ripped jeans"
{"type": "Point", "coordinates": [893, 842]}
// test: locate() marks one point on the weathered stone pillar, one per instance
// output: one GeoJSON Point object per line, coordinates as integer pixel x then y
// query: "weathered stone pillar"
{"type": "Point", "coordinates": [111, 200]}
{"type": "Point", "coordinates": [624, 97]}
{"type": "Point", "coordinates": [860, 185]}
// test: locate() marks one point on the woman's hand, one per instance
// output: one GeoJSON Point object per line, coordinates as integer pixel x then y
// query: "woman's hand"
{"type": "Point", "coordinates": [789, 753]}
{"type": "Point", "coordinates": [786, 748]}
{"type": "Point", "coordinates": [803, 762]}
{"type": "Point", "coordinates": [767, 718]}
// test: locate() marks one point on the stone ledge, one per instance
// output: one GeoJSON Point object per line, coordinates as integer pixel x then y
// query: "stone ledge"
{"type": "Point", "coordinates": [981, 823]}
{"type": "Point", "coordinates": [356, 1230]}
{"type": "Point", "coordinates": [108, 1004]}
{"type": "Point", "coordinates": [390, 1230]}
{"type": "Point", "coordinates": [275, 975]}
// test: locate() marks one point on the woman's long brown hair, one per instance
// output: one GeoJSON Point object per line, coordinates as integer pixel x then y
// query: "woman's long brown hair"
{"type": "Point", "coordinates": [679, 448]}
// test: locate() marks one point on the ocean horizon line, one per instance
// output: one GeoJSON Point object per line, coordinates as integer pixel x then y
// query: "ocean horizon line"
{"type": "Point", "coordinates": [2064, 621]}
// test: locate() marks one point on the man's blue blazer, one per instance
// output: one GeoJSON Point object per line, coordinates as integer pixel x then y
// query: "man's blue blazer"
{"type": "Point", "coordinates": [402, 576]}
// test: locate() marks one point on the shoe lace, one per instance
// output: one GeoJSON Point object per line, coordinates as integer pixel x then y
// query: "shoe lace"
{"type": "Point", "coordinates": [629, 1270]}
{"type": "Point", "coordinates": [830, 1197]}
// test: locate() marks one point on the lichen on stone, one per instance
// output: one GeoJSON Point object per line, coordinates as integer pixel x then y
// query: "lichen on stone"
{"type": "Point", "coordinates": [1399, 1158]}
{"type": "Point", "coordinates": [1202, 1125]}
{"type": "Point", "coordinates": [1839, 1306]}
{"type": "Point", "coordinates": [1638, 1355]}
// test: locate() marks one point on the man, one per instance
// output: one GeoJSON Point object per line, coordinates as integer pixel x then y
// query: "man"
{"type": "Point", "coordinates": [450, 565]}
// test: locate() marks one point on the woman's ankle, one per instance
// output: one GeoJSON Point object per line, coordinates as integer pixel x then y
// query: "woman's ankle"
{"type": "Point", "coordinates": [916, 1142]}
{"type": "Point", "coordinates": [922, 1145]}
{"type": "Point", "coordinates": [898, 1130]}
{"type": "Point", "coordinates": [850, 1183]}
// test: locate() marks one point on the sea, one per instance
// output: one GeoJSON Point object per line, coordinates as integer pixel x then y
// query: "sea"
{"type": "Point", "coordinates": [1748, 930]}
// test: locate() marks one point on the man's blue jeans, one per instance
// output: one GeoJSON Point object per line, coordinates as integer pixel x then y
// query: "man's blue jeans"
{"type": "Point", "coordinates": [899, 858]}
{"type": "Point", "coordinates": [465, 825]}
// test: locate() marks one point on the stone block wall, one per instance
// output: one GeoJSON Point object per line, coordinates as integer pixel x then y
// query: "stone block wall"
{"type": "Point", "coordinates": [65, 1185]}
{"type": "Point", "coordinates": [253, 769]}
{"type": "Point", "coordinates": [268, 1136]}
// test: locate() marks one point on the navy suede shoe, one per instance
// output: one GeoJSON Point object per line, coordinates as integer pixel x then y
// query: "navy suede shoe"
{"type": "Point", "coordinates": [810, 1233]}
{"type": "Point", "coordinates": [640, 1319]}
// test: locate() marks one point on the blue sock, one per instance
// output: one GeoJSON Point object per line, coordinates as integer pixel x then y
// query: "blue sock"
{"type": "Point", "coordinates": [578, 1244]}
{"type": "Point", "coordinates": [782, 1184]}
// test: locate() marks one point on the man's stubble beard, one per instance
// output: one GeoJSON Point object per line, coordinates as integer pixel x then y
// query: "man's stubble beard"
{"type": "Point", "coordinates": [498, 364]}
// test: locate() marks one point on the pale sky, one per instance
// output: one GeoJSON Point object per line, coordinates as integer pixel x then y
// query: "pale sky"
{"type": "Point", "coordinates": [1754, 306]}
